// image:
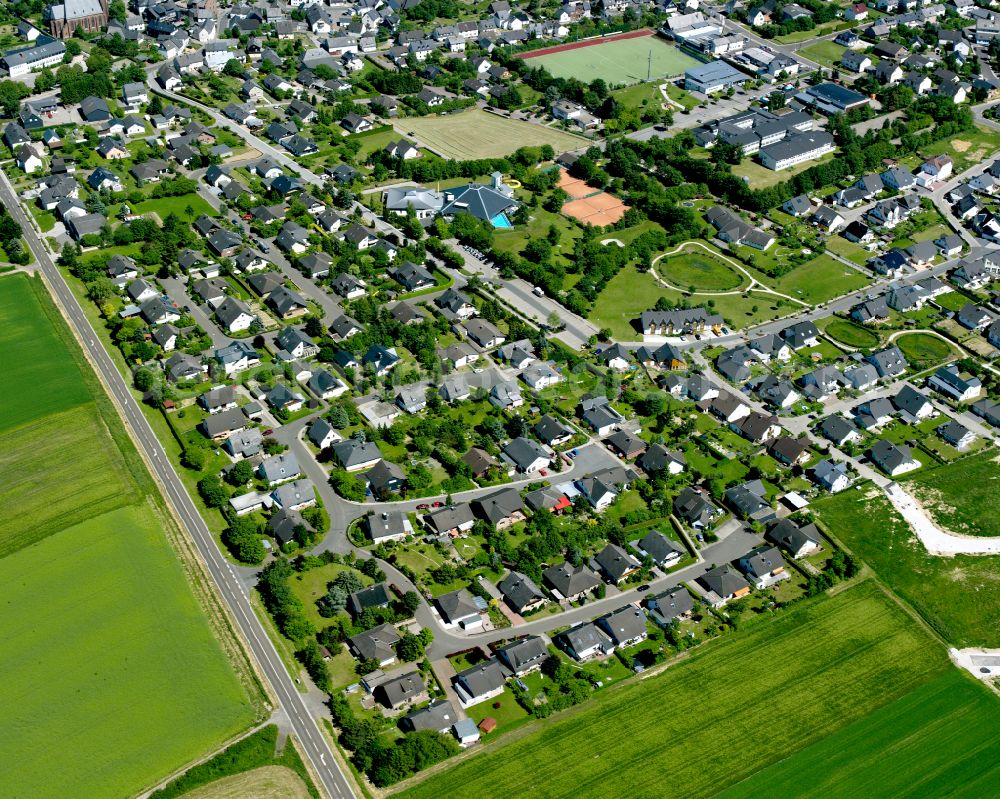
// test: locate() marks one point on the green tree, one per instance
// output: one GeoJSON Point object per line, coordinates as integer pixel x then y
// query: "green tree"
{"type": "Point", "coordinates": [212, 491]}
{"type": "Point", "coordinates": [410, 648]}
{"type": "Point", "coordinates": [240, 474]}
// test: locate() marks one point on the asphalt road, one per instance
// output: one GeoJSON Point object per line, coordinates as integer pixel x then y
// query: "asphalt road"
{"type": "Point", "coordinates": [303, 724]}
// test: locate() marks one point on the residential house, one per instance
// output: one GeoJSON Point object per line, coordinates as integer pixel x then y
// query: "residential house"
{"type": "Point", "coordinates": [893, 459]}
{"type": "Point", "coordinates": [764, 567]}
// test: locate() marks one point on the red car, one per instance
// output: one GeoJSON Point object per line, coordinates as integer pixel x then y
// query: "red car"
{"type": "Point", "coordinates": [438, 504]}
{"type": "Point", "coordinates": [543, 472]}
{"type": "Point", "coordinates": [269, 431]}
{"type": "Point", "coordinates": [423, 506]}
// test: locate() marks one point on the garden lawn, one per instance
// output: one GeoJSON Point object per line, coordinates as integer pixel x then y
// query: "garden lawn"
{"type": "Point", "coordinates": [957, 596]}
{"type": "Point", "coordinates": [760, 177]}
{"type": "Point", "coordinates": [816, 669]}
{"type": "Point", "coordinates": [923, 350]}
{"type": "Point", "coordinates": [852, 335]}
{"type": "Point", "coordinates": [962, 497]}
{"type": "Point", "coordinates": [818, 280]}
{"type": "Point", "coordinates": [164, 206]}
{"type": "Point", "coordinates": [112, 677]}
{"type": "Point", "coordinates": [310, 587]}
{"type": "Point", "coordinates": [939, 740]}
{"type": "Point", "coordinates": [848, 249]}
{"type": "Point", "coordinates": [477, 134]}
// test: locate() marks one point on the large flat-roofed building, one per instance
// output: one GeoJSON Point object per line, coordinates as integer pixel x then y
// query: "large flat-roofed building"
{"type": "Point", "coordinates": [830, 98]}
{"type": "Point", "coordinates": [47, 53]}
{"type": "Point", "coordinates": [716, 76]}
{"type": "Point", "coordinates": [90, 16]}
{"type": "Point", "coordinates": [796, 149]}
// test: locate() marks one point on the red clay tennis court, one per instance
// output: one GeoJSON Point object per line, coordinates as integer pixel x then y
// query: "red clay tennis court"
{"type": "Point", "coordinates": [574, 187]}
{"type": "Point", "coordinates": [587, 204]}
{"type": "Point", "coordinates": [597, 209]}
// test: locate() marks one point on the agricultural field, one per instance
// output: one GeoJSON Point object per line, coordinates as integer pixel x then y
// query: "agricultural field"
{"type": "Point", "coordinates": [619, 62]}
{"type": "Point", "coordinates": [266, 782]}
{"type": "Point", "coordinates": [852, 335]}
{"type": "Point", "coordinates": [938, 740]}
{"type": "Point", "coordinates": [957, 596]}
{"type": "Point", "coordinates": [962, 496]}
{"type": "Point", "coordinates": [477, 134]}
{"type": "Point", "coordinates": [55, 491]}
{"type": "Point", "coordinates": [43, 371]}
{"type": "Point", "coordinates": [817, 668]}
{"type": "Point", "coordinates": [923, 350]}
{"type": "Point", "coordinates": [94, 576]}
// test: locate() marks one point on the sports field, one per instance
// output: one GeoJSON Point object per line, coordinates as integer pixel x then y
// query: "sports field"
{"type": "Point", "coordinates": [939, 740]}
{"type": "Point", "coordinates": [619, 62]}
{"type": "Point", "coordinates": [733, 708]}
{"type": "Point", "coordinates": [476, 134]}
{"type": "Point", "coordinates": [113, 676]}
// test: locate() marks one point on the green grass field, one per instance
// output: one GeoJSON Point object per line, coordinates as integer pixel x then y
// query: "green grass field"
{"type": "Point", "coordinates": [852, 335]}
{"type": "Point", "coordinates": [966, 149]}
{"type": "Point", "coordinates": [113, 676]}
{"type": "Point", "coordinates": [477, 134]}
{"type": "Point", "coordinates": [818, 280]}
{"type": "Point", "coordinates": [957, 596]}
{"type": "Point", "coordinates": [962, 496]}
{"type": "Point", "coordinates": [164, 206]}
{"type": "Point", "coordinates": [618, 62]}
{"type": "Point", "coordinates": [631, 292]}
{"type": "Point", "coordinates": [699, 270]}
{"type": "Point", "coordinates": [826, 53]}
{"type": "Point", "coordinates": [939, 740]}
{"type": "Point", "coordinates": [923, 350]}
{"type": "Point", "coordinates": [34, 458]}
{"type": "Point", "coordinates": [731, 709]}
{"type": "Point", "coordinates": [43, 370]}
{"type": "Point", "coordinates": [758, 176]}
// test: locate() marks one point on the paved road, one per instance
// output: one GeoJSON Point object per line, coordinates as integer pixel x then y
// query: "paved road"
{"type": "Point", "coordinates": [304, 725]}
{"type": "Point", "coordinates": [518, 293]}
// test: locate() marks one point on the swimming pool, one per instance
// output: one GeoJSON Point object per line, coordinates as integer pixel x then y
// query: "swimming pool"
{"type": "Point", "coordinates": [501, 220]}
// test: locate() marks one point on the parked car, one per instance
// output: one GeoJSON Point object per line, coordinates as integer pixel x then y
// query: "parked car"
{"type": "Point", "coordinates": [437, 504]}
{"type": "Point", "coordinates": [423, 506]}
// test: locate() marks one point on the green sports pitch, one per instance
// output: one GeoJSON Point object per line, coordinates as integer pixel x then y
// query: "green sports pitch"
{"type": "Point", "coordinates": [618, 62]}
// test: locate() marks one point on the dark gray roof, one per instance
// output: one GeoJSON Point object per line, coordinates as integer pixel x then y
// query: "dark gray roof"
{"type": "Point", "coordinates": [519, 590]}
